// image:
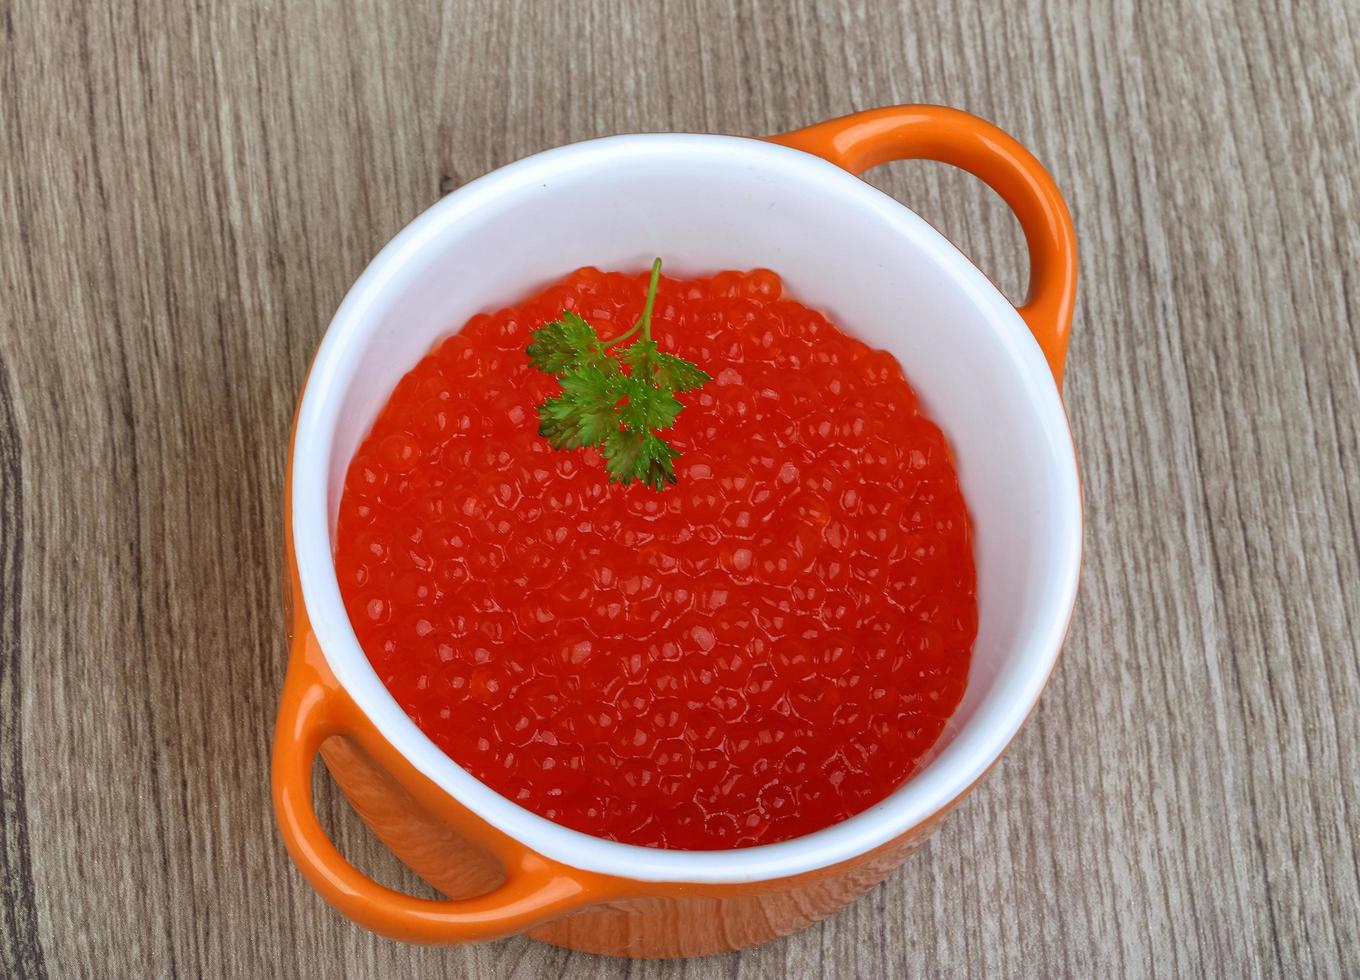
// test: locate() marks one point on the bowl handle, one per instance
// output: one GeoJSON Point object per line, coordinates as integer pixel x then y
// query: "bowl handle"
{"type": "Point", "coordinates": [313, 709]}
{"type": "Point", "coordinates": [911, 132]}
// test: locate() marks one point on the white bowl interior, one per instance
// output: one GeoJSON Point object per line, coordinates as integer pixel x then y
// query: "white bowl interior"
{"type": "Point", "coordinates": [706, 203]}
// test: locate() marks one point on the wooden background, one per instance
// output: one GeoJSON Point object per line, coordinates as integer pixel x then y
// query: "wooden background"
{"type": "Point", "coordinates": [187, 190]}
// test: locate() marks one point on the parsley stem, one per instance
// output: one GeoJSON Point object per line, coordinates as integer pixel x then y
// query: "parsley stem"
{"type": "Point", "coordinates": [646, 319]}
{"type": "Point", "coordinates": [623, 336]}
{"type": "Point", "coordinates": [644, 322]}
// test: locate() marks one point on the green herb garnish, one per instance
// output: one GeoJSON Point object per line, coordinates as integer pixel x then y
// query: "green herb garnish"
{"type": "Point", "coordinates": [604, 405]}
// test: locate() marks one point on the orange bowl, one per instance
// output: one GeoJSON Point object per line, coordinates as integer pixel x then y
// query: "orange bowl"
{"type": "Point", "coordinates": [985, 370]}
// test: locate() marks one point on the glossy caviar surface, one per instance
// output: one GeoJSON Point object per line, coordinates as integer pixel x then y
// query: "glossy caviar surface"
{"type": "Point", "coordinates": [760, 651]}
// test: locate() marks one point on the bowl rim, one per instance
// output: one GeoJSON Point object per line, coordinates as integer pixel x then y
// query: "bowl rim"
{"type": "Point", "coordinates": [947, 778]}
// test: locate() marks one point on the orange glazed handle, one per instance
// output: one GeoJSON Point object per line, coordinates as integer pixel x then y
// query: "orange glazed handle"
{"type": "Point", "coordinates": [913, 132]}
{"type": "Point", "coordinates": [535, 889]}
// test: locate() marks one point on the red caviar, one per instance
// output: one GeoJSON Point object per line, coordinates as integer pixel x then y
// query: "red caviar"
{"type": "Point", "coordinates": [758, 652]}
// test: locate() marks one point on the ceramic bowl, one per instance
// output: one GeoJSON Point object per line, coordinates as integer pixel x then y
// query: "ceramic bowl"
{"type": "Point", "coordinates": [987, 372]}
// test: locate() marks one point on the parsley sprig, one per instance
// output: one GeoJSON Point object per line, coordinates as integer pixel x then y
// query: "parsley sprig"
{"type": "Point", "coordinates": [602, 404]}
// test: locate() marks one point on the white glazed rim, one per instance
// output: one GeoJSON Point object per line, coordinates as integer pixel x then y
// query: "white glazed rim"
{"type": "Point", "coordinates": [961, 764]}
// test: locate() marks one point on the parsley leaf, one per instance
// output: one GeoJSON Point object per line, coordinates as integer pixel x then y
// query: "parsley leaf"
{"type": "Point", "coordinates": [647, 406]}
{"type": "Point", "coordinates": [556, 346]}
{"type": "Point", "coordinates": [666, 370]}
{"type": "Point", "coordinates": [679, 374]}
{"type": "Point", "coordinates": [601, 405]}
{"type": "Point", "coordinates": [644, 456]}
{"type": "Point", "coordinates": [568, 343]}
{"type": "Point", "coordinates": [584, 413]}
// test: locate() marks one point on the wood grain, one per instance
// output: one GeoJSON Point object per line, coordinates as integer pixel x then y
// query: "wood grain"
{"type": "Point", "coordinates": [186, 191]}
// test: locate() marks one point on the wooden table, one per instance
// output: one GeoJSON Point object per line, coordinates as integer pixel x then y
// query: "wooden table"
{"type": "Point", "coordinates": [186, 192]}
